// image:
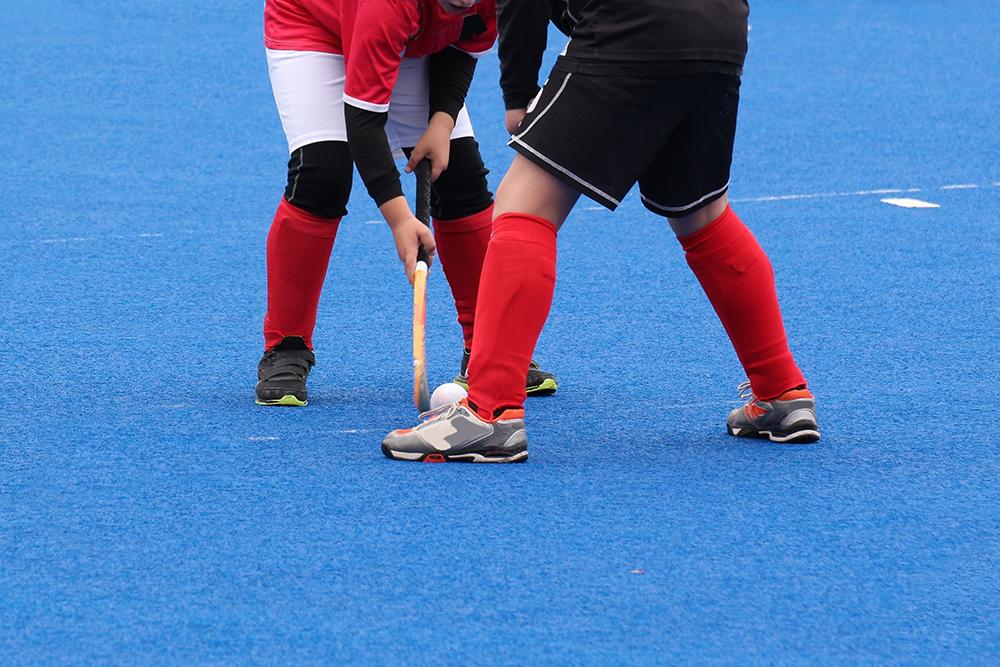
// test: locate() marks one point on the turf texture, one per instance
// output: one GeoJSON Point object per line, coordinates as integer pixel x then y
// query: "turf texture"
{"type": "Point", "coordinates": [151, 513]}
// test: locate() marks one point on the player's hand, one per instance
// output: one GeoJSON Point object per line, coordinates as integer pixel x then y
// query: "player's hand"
{"type": "Point", "coordinates": [434, 144]}
{"type": "Point", "coordinates": [512, 119]}
{"type": "Point", "coordinates": [409, 234]}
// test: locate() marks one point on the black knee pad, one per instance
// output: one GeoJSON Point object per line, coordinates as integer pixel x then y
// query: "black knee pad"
{"type": "Point", "coordinates": [462, 189]}
{"type": "Point", "coordinates": [319, 178]}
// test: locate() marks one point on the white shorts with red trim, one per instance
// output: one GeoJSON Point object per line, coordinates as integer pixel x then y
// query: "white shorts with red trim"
{"type": "Point", "coordinates": [308, 88]}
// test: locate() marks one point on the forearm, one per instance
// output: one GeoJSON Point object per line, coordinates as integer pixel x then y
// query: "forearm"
{"type": "Point", "coordinates": [523, 27]}
{"type": "Point", "coordinates": [371, 153]}
{"type": "Point", "coordinates": [396, 211]}
{"type": "Point", "coordinates": [451, 72]}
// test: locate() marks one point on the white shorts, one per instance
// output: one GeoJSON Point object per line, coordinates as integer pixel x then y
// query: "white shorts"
{"type": "Point", "coordinates": [308, 88]}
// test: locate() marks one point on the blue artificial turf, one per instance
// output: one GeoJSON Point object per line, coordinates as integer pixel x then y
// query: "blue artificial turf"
{"type": "Point", "coordinates": [151, 513]}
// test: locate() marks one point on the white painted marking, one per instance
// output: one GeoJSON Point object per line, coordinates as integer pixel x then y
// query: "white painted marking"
{"type": "Point", "coordinates": [373, 222]}
{"type": "Point", "coordinates": [858, 193]}
{"type": "Point", "coordinates": [594, 208]}
{"type": "Point", "coordinates": [87, 239]}
{"type": "Point", "coordinates": [910, 203]}
{"type": "Point", "coordinates": [637, 570]}
{"type": "Point", "coordinates": [263, 438]}
{"type": "Point", "coordinates": [783, 197]}
{"type": "Point", "coordinates": [356, 430]}
{"type": "Point", "coordinates": [75, 239]}
{"type": "Point", "coordinates": [824, 195]}
{"type": "Point", "coordinates": [885, 191]}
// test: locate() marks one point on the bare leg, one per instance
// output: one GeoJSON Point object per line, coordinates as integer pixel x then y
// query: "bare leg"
{"type": "Point", "coordinates": [689, 224]}
{"type": "Point", "coordinates": [530, 189]}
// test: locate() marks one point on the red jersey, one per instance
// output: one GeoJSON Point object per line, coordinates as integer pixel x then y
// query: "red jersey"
{"type": "Point", "coordinates": [375, 35]}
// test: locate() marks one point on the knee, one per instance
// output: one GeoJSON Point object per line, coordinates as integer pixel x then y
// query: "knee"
{"type": "Point", "coordinates": [462, 189]}
{"type": "Point", "coordinates": [319, 178]}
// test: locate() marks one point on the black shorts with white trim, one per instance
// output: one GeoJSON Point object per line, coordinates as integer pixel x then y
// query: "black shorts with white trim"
{"type": "Point", "coordinates": [672, 133]}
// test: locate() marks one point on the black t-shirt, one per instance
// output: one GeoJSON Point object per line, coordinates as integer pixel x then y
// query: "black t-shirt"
{"type": "Point", "coordinates": [661, 31]}
{"type": "Point", "coordinates": [621, 36]}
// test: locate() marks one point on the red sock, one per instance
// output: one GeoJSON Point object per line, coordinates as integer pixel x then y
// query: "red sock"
{"type": "Point", "coordinates": [461, 246]}
{"type": "Point", "coordinates": [738, 279]}
{"type": "Point", "coordinates": [298, 251]}
{"type": "Point", "coordinates": [519, 277]}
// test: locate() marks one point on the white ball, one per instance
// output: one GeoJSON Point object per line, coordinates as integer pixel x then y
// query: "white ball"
{"type": "Point", "coordinates": [447, 393]}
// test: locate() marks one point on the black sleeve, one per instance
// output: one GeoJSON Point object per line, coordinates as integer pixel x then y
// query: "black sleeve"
{"type": "Point", "coordinates": [451, 73]}
{"type": "Point", "coordinates": [371, 153]}
{"type": "Point", "coordinates": [523, 26]}
{"type": "Point", "coordinates": [565, 13]}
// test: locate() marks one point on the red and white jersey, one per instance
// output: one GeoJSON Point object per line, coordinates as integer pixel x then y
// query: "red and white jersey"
{"type": "Point", "coordinates": [375, 35]}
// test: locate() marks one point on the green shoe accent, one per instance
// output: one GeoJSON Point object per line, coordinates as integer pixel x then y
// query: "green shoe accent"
{"type": "Point", "coordinates": [287, 399]}
{"type": "Point", "coordinates": [537, 383]}
{"type": "Point", "coordinates": [547, 386]}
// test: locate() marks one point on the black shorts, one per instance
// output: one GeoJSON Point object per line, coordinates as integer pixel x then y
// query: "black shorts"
{"type": "Point", "coordinates": [600, 134]}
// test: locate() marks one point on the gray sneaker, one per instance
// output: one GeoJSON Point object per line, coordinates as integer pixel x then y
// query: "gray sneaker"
{"type": "Point", "coordinates": [456, 433]}
{"type": "Point", "coordinates": [790, 418]}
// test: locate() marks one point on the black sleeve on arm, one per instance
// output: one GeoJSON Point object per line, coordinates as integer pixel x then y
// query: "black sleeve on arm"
{"type": "Point", "coordinates": [523, 26]}
{"type": "Point", "coordinates": [371, 153]}
{"type": "Point", "coordinates": [451, 74]}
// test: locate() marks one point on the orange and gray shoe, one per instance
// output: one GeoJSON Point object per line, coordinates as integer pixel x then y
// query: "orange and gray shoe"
{"type": "Point", "coordinates": [790, 418]}
{"type": "Point", "coordinates": [455, 432]}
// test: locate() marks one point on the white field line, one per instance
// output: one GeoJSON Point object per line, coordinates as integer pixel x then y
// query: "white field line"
{"type": "Point", "coordinates": [859, 193]}
{"type": "Point", "coordinates": [739, 200]}
{"type": "Point", "coordinates": [906, 202]}
{"type": "Point", "coordinates": [74, 239]}
{"type": "Point", "coordinates": [87, 239]}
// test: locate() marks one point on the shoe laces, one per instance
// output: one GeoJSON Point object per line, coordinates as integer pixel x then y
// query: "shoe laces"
{"type": "Point", "coordinates": [443, 411]}
{"type": "Point", "coordinates": [746, 393]}
{"type": "Point", "coordinates": [427, 415]}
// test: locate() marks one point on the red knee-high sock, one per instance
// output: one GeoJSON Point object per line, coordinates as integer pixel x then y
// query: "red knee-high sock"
{"type": "Point", "coordinates": [298, 252]}
{"type": "Point", "coordinates": [515, 294]}
{"type": "Point", "coordinates": [461, 246]}
{"type": "Point", "coordinates": [739, 281]}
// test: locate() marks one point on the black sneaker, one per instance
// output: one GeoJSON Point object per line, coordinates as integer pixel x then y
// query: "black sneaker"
{"type": "Point", "coordinates": [282, 373]}
{"type": "Point", "coordinates": [538, 382]}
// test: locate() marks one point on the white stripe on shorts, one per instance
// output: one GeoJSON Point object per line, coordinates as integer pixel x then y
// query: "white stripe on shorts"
{"type": "Point", "coordinates": [547, 106]}
{"type": "Point", "coordinates": [604, 195]}
{"type": "Point", "coordinates": [681, 209]}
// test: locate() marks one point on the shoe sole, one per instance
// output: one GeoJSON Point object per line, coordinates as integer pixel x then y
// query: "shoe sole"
{"type": "Point", "coordinates": [546, 388]}
{"type": "Point", "coordinates": [436, 457]}
{"type": "Point", "coordinates": [799, 436]}
{"type": "Point", "coordinates": [287, 400]}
